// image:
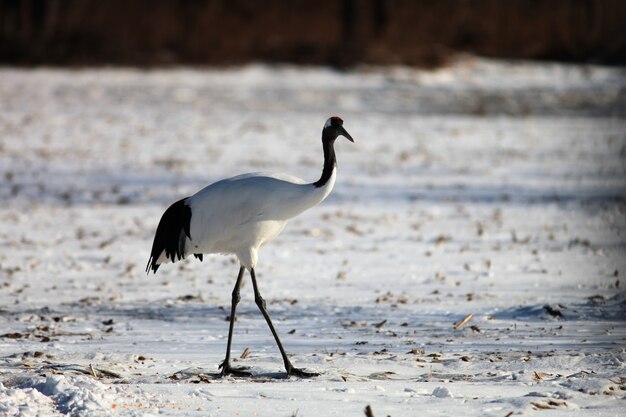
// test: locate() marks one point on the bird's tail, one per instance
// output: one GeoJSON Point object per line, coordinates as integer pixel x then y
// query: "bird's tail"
{"type": "Point", "coordinates": [171, 236]}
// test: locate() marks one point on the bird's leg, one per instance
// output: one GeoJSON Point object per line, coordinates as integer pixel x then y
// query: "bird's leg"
{"type": "Point", "coordinates": [260, 302]}
{"type": "Point", "coordinates": [225, 366]}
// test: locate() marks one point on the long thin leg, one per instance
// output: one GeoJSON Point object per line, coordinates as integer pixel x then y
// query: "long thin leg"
{"type": "Point", "coordinates": [260, 302]}
{"type": "Point", "coordinates": [225, 366]}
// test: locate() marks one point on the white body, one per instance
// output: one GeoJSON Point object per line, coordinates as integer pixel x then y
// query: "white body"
{"type": "Point", "coordinates": [240, 214]}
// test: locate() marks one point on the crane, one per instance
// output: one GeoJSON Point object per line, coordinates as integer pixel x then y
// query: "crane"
{"type": "Point", "coordinates": [239, 215]}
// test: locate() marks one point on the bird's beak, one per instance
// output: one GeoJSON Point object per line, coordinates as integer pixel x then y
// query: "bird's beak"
{"type": "Point", "coordinates": [343, 132]}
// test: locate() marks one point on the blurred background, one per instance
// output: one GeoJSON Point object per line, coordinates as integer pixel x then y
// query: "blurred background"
{"type": "Point", "coordinates": [340, 33]}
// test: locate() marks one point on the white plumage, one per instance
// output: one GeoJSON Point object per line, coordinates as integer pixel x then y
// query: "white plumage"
{"type": "Point", "coordinates": [239, 215]}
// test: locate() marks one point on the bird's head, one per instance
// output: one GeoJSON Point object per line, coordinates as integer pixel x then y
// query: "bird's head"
{"type": "Point", "coordinates": [334, 128]}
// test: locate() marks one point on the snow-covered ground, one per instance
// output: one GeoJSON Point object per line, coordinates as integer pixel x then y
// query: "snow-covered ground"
{"type": "Point", "coordinates": [486, 188]}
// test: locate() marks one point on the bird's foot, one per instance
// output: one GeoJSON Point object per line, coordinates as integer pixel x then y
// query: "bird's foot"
{"type": "Point", "coordinates": [229, 370]}
{"type": "Point", "coordinates": [292, 371]}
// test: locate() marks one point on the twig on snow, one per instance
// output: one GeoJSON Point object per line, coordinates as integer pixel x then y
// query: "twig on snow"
{"type": "Point", "coordinates": [245, 353]}
{"type": "Point", "coordinates": [463, 322]}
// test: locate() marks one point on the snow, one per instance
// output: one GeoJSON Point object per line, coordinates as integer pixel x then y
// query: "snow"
{"type": "Point", "coordinates": [441, 392]}
{"type": "Point", "coordinates": [491, 188]}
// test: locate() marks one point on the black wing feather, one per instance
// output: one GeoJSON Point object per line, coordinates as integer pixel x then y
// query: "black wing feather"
{"type": "Point", "coordinates": [170, 234]}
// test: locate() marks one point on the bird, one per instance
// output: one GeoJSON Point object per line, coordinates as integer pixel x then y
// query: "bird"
{"type": "Point", "coordinates": [239, 215]}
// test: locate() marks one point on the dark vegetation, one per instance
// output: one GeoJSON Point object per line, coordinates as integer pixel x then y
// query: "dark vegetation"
{"type": "Point", "coordinates": [334, 32]}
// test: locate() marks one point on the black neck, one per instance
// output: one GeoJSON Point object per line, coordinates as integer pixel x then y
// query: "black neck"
{"type": "Point", "coordinates": [330, 161]}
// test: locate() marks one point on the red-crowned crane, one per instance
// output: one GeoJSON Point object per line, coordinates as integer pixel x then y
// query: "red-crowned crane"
{"type": "Point", "coordinates": [239, 215]}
